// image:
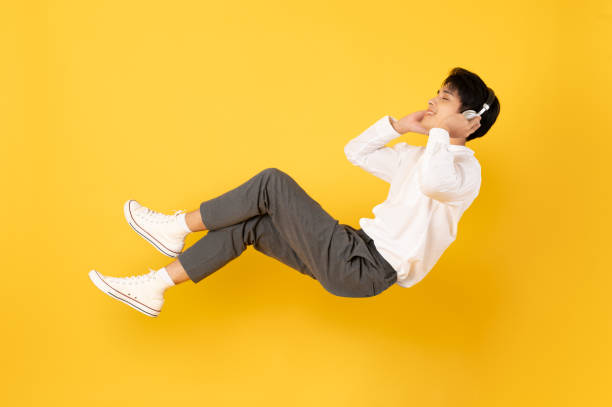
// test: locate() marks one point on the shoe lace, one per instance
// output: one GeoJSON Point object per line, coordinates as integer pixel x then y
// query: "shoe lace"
{"type": "Point", "coordinates": [160, 217]}
{"type": "Point", "coordinates": [141, 278]}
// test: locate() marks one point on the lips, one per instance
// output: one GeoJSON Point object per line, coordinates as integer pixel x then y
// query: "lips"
{"type": "Point", "coordinates": [430, 112]}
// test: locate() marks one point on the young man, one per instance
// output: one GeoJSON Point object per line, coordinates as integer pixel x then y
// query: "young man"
{"type": "Point", "coordinates": [430, 188]}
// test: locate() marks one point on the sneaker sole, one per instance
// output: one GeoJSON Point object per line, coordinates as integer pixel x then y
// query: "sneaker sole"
{"type": "Point", "coordinates": [148, 237]}
{"type": "Point", "coordinates": [107, 289]}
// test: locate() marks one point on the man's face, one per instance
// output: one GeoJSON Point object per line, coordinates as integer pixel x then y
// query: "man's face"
{"type": "Point", "coordinates": [445, 102]}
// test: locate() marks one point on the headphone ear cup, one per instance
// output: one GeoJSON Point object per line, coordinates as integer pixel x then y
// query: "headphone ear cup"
{"type": "Point", "coordinates": [469, 114]}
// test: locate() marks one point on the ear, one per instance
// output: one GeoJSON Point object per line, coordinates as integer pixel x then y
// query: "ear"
{"type": "Point", "coordinates": [475, 125]}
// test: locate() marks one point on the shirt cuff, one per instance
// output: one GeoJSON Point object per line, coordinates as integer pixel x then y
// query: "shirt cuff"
{"type": "Point", "coordinates": [438, 135]}
{"type": "Point", "coordinates": [387, 127]}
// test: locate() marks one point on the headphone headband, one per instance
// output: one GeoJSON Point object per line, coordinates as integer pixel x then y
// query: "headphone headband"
{"type": "Point", "coordinates": [490, 99]}
{"type": "Point", "coordinates": [470, 114]}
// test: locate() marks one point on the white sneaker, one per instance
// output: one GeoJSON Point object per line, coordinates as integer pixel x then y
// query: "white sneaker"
{"type": "Point", "coordinates": [144, 293]}
{"type": "Point", "coordinates": [164, 232]}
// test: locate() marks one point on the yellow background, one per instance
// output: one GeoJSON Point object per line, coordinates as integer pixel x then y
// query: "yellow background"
{"type": "Point", "coordinates": [172, 103]}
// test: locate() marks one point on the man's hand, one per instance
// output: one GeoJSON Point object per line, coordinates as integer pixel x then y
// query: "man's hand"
{"type": "Point", "coordinates": [410, 123]}
{"type": "Point", "coordinates": [457, 125]}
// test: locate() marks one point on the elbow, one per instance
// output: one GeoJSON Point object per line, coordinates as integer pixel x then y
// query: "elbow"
{"type": "Point", "coordinates": [447, 192]}
{"type": "Point", "coordinates": [432, 192]}
{"type": "Point", "coordinates": [429, 184]}
{"type": "Point", "coordinates": [437, 189]}
{"type": "Point", "coordinates": [350, 154]}
{"type": "Point", "coordinates": [448, 187]}
{"type": "Point", "coordinates": [347, 149]}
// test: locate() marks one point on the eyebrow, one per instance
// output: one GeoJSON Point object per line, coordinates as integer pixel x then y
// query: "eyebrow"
{"type": "Point", "coordinates": [446, 91]}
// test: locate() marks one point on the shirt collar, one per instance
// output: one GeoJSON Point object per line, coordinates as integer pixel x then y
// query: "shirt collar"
{"type": "Point", "coordinates": [454, 147]}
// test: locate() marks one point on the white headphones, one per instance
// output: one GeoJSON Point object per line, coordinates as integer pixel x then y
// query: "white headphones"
{"type": "Point", "coordinates": [470, 114]}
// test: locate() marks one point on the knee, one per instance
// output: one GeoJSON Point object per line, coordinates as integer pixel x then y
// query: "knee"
{"type": "Point", "coordinates": [275, 173]}
{"type": "Point", "coordinates": [272, 172]}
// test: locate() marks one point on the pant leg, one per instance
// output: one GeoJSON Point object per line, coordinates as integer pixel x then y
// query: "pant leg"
{"type": "Point", "coordinates": [270, 242]}
{"type": "Point", "coordinates": [335, 254]}
{"type": "Point", "coordinates": [220, 246]}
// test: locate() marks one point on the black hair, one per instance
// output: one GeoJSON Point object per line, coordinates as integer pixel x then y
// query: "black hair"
{"type": "Point", "coordinates": [473, 92]}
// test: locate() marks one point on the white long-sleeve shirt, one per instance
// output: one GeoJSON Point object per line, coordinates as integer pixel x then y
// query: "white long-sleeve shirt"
{"type": "Point", "coordinates": [431, 187]}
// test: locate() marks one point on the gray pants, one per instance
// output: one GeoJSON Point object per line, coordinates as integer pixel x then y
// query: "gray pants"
{"type": "Point", "coordinates": [274, 214]}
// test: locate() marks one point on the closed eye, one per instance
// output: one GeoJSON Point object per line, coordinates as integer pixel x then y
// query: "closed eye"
{"type": "Point", "coordinates": [438, 92]}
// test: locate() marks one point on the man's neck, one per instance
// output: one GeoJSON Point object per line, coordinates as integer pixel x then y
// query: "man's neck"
{"type": "Point", "coordinates": [457, 141]}
{"type": "Point", "coordinates": [454, 141]}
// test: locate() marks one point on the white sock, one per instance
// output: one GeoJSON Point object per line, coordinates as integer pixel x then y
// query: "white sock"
{"type": "Point", "coordinates": [183, 222]}
{"type": "Point", "coordinates": [163, 275]}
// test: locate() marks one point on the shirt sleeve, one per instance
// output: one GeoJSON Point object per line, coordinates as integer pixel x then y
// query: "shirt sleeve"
{"type": "Point", "coordinates": [368, 150]}
{"type": "Point", "coordinates": [443, 178]}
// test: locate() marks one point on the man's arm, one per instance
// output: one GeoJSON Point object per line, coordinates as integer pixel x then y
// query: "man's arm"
{"type": "Point", "coordinates": [394, 124]}
{"type": "Point", "coordinates": [368, 150]}
{"type": "Point", "coordinates": [440, 177]}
